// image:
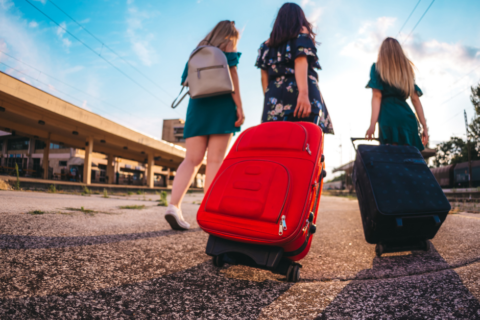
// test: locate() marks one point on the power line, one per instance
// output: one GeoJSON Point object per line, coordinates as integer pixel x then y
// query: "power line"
{"type": "Point", "coordinates": [68, 85]}
{"type": "Point", "coordinates": [88, 47]}
{"type": "Point", "coordinates": [106, 46]}
{"type": "Point", "coordinates": [409, 17]}
{"type": "Point", "coordinates": [419, 21]}
{"type": "Point", "coordinates": [458, 93]}
{"type": "Point", "coordinates": [456, 115]}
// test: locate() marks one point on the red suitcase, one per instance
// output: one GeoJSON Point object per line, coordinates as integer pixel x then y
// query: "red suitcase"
{"type": "Point", "coordinates": [263, 201]}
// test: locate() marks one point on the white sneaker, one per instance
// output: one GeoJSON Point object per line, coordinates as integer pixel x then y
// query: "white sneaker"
{"type": "Point", "coordinates": [174, 217]}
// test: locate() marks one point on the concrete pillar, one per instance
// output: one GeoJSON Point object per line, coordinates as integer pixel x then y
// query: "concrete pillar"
{"type": "Point", "coordinates": [4, 153]}
{"type": "Point", "coordinates": [87, 162]}
{"type": "Point", "coordinates": [169, 173]}
{"type": "Point", "coordinates": [31, 150]}
{"type": "Point", "coordinates": [150, 165]}
{"type": "Point", "coordinates": [110, 169]}
{"type": "Point", "coordinates": [46, 156]}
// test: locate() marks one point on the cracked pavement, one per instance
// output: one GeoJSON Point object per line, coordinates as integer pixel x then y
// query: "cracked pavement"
{"type": "Point", "coordinates": [119, 263]}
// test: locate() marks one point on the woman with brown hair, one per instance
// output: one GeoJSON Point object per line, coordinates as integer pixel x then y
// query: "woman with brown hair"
{"type": "Point", "coordinates": [392, 80]}
{"type": "Point", "coordinates": [288, 60]}
{"type": "Point", "coordinates": [209, 125]}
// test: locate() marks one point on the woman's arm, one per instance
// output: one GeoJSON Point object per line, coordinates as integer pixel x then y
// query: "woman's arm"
{"type": "Point", "coordinates": [236, 97]}
{"type": "Point", "coordinates": [376, 101]}
{"type": "Point", "coordinates": [421, 116]}
{"type": "Point", "coordinates": [264, 80]}
{"type": "Point", "coordinates": [303, 108]}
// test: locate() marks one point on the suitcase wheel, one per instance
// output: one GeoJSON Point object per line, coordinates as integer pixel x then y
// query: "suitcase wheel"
{"type": "Point", "coordinates": [379, 249]}
{"type": "Point", "coordinates": [218, 261]}
{"type": "Point", "coordinates": [293, 273]}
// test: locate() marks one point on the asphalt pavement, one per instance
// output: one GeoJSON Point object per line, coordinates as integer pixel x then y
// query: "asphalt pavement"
{"type": "Point", "coordinates": [85, 257]}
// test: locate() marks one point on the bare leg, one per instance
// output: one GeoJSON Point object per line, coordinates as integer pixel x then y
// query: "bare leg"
{"type": "Point", "coordinates": [217, 147]}
{"type": "Point", "coordinates": [196, 147]}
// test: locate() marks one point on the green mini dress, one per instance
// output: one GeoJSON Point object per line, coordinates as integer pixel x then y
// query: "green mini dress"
{"type": "Point", "coordinates": [211, 115]}
{"type": "Point", "coordinates": [397, 122]}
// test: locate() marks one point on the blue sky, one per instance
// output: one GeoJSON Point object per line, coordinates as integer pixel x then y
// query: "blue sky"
{"type": "Point", "coordinates": [157, 36]}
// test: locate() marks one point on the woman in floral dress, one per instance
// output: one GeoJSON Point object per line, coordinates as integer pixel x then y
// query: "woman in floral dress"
{"type": "Point", "coordinates": [288, 61]}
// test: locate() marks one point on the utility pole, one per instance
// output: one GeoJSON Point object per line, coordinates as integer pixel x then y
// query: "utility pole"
{"type": "Point", "coordinates": [468, 148]}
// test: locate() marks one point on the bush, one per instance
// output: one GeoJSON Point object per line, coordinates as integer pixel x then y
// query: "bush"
{"type": "Point", "coordinates": [52, 188]}
{"type": "Point", "coordinates": [105, 193]}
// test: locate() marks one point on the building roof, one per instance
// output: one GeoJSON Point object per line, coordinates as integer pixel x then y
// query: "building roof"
{"type": "Point", "coordinates": [32, 112]}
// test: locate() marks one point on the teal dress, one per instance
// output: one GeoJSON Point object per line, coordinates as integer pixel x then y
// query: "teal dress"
{"type": "Point", "coordinates": [211, 115]}
{"type": "Point", "coordinates": [397, 122]}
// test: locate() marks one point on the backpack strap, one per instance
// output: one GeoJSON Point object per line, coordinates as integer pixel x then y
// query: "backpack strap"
{"type": "Point", "coordinates": [174, 105]}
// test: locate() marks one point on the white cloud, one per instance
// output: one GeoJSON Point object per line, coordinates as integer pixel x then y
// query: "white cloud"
{"type": "Point", "coordinates": [33, 24]}
{"type": "Point", "coordinates": [84, 106]}
{"type": "Point", "coordinates": [42, 1]}
{"type": "Point", "coordinates": [306, 2]}
{"type": "Point", "coordinates": [139, 38]}
{"type": "Point", "coordinates": [314, 16]}
{"type": "Point", "coordinates": [61, 30]}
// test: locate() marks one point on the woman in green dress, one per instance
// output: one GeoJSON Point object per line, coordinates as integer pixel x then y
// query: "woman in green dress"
{"type": "Point", "coordinates": [209, 125]}
{"type": "Point", "coordinates": [392, 81]}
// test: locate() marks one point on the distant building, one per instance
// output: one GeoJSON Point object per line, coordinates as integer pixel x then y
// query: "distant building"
{"type": "Point", "coordinates": [66, 163]}
{"type": "Point", "coordinates": [173, 131]}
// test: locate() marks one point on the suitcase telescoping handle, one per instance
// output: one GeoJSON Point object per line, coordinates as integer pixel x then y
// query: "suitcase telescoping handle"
{"type": "Point", "coordinates": [435, 218]}
{"type": "Point", "coordinates": [356, 139]}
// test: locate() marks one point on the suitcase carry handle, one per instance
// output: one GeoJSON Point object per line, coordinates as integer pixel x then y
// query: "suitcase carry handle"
{"type": "Point", "coordinates": [355, 139]}
{"type": "Point", "coordinates": [436, 219]}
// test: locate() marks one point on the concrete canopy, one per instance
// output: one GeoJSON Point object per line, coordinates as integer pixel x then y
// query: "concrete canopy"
{"type": "Point", "coordinates": [32, 112]}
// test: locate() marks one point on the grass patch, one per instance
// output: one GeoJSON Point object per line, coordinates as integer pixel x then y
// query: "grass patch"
{"type": "Point", "coordinates": [105, 193]}
{"type": "Point", "coordinates": [82, 209]}
{"type": "Point", "coordinates": [17, 183]}
{"type": "Point", "coordinates": [4, 185]}
{"type": "Point", "coordinates": [36, 212]}
{"type": "Point", "coordinates": [129, 193]}
{"type": "Point", "coordinates": [52, 188]}
{"type": "Point", "coordinates": [86, 191]}
{"type": "Point", "coordinates": [139, 192]}
{"type": "Point", "coordinates": [455, 210]}
{"type": "Point", "coordinates": [163, 202]}
{"type": "Point", "coordinates": [134, 207]}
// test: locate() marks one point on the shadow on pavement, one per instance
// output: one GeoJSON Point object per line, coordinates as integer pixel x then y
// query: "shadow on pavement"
{"type": "Point", "coordinates": [198, 292]}
{"type": "Point", "coordinates": [35, 242]}
{"type": "Point", "coordinates": [419, 285]}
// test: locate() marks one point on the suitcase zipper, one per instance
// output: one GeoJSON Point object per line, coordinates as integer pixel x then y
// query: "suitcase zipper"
{"type": "Point", "coordinates": [282, 226]}
{"type": "Point", "coordinates": [308, 149]}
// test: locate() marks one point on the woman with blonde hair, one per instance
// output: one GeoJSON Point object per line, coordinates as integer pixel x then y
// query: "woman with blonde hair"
{"type": "Point", "coordinates": [209, 125]}
{"type": "Point", "coordinates": [392, 80]}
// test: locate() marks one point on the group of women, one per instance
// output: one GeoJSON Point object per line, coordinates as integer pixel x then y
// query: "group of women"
{"type": "Point", "coordinates": [288, 61]}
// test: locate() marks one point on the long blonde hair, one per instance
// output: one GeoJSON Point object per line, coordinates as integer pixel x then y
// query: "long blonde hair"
{"type": "Point", "coordinates": [223, 33]}
{"type": "Point", "coordinates": [394, 67]}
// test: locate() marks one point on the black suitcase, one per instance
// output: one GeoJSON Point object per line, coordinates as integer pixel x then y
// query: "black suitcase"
{"type": "Point", "coordinates": [401, 203]}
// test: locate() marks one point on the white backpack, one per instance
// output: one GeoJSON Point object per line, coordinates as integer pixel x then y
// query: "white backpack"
{"type": "Point", "coordinates": [208, 74]}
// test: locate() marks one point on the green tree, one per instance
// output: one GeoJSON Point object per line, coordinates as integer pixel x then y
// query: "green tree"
{"type": "Point", "coordinates": [474, 127]}
{"type": "Point", "coordinates": [455, 150]}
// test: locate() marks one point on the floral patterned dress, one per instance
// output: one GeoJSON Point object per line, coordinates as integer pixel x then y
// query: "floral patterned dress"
{"type": "Point", "coordinates": [282, 91]}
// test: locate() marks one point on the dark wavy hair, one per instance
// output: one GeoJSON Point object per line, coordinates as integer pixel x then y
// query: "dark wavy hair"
{"type": "Point", "coordinates": [288, 24]}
